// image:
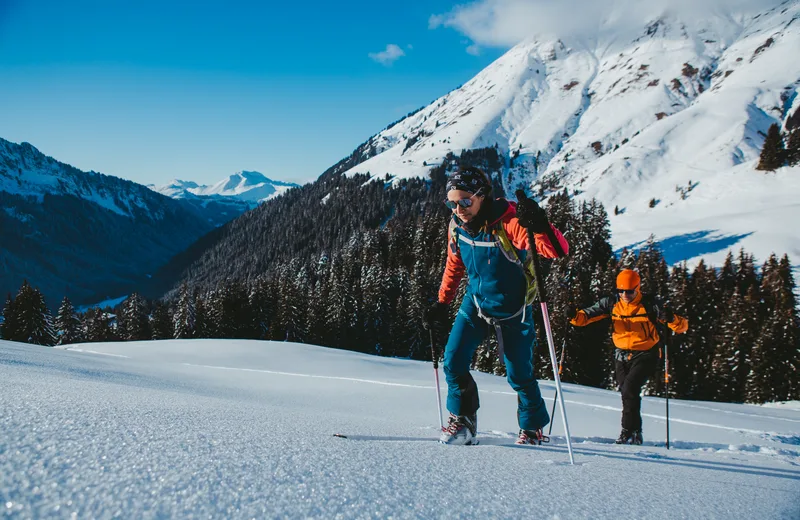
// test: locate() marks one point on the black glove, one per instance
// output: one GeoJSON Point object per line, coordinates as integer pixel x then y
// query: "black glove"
{"type": "Point", "coordinates": [667, 316]}
{"type": "Point", "coordinates": [435, 316]}
{"type": "Point", "coordinates": [531, 216]}
{"type": "Point", "coordinates": [571, 313]}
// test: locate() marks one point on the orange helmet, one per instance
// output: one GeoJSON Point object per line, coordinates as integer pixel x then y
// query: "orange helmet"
{"type": "Point", "coordinates": [628, 279]}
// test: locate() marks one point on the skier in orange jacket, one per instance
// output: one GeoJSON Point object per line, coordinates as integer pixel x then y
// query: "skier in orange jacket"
{"type": "Point", "coordinates": [635, 334]}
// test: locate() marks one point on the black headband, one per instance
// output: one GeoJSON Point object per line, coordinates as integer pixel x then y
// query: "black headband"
{"type": "Point", "coordinates": [471, 180]}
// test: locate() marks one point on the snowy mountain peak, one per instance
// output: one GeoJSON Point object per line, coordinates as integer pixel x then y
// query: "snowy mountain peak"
{"type": "Point", "coordinates": [247, 186]}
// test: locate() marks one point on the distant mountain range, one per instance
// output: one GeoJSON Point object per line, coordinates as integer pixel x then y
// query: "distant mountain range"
{"type": "Point", "coordinates": [91, 236]}
{"type": "Point", "coordinates": [249, 188]}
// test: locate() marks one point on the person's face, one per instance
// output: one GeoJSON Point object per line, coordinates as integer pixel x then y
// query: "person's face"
{"type": "Point", "coordinates": [627, 295]}
{"type": "Point", "coordinates": [460, 198]}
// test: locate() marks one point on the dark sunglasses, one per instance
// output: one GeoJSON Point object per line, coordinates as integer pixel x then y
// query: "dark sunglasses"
{"type": "Point", "coordinates": [626, 291]}
{"type": "Point", "coordinates": [464, 203]}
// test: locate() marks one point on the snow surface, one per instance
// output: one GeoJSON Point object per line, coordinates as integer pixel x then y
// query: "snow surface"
{"type": "Point", "coordinates": [242, 429]}
{"type": "Point", "coordinates": [676, 110]}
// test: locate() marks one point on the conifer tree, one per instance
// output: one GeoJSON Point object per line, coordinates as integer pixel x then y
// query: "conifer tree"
{"type": "Point", "coordinates": [161, 322]}
{"type": "Point", "coordinates": [317, 322]}
{"type": "Point", "coordinates": [704, 311]}
{"type": "Point", "coordinates": [9, 326]}
{"type": "Point", "coordinates": [727, 278]}
{"type": "Point", "coordinates": [681, 370]}
{"type": "Point", "coordinates": [297, 323]}
{"type": "Point", "coordinates": [773, 153]}
{"type": "Point", "coordinates": [420, 291]}
{"type": "Point", "coordinates": [793, 148]}
{"type": "Point", "coordinates": [377, 310]}
{"type": "Point", "coordinates": [204, 320]}
{"type": "Point", "coordinates": [335, 314]}
{"type": "Point", "coordinates": [184, 322]}
{"type": "Point", "coordinates": [746, 274]}
{"type": "Point", "coordinates": [96, 325]}
{"type": "Point", "coordinates": [230, 311]}
{"type": "Point", "coordinates": [653, 271]}
{"type": "Point", "coordinates": [67, 324]}
{"type": "Point", "coordinates": [31, 320]}
{"type": "Point", "coordinates": [260, 303]}
{"type": "Point", "coordinates": [133, 322]}
{"type": "Point", "coordinates": [735, 337]}
{"type": "Point", "coordinates": [401, 324]}
{"type": "Point", "coordinates": [775, 359]}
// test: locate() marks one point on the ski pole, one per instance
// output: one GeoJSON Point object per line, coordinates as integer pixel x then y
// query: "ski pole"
{"type": "Point", "coordinates": [666, 377]}
{"type": "Point", "coordinates": [540, 289]}
{"type": "Point", "coordinates": [555, 398]}
{"type": "Point", "coordinates": [435, 358]}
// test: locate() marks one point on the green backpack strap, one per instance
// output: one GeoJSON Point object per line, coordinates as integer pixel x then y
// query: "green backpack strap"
{"type": "Point", "coordinates": [453, 236]}
{"type": "Point", "coordinates": [511, 254]}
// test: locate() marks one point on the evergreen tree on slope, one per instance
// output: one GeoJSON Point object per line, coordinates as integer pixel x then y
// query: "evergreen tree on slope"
{"type": "Point", "coordinates": [184, 323]}
{"type": "Point", "coordinates": [67, 324]}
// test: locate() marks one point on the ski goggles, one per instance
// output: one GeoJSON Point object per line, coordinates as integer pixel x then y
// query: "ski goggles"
{"type": "Point", "coordinates": [464, 203]}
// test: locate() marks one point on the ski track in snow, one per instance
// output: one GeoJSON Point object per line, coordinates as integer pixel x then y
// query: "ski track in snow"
{"type": "Point", "coordinates": [175, 429]}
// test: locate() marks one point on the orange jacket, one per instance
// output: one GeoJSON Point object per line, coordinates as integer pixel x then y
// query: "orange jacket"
{"type": "Point", "coordinates": [633, 329]}
{"type": "Point", "coordinates": [454, 268]}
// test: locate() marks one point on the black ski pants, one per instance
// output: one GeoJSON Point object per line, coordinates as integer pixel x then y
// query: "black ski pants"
{"type": "Point", "coordinates": [633, 369]}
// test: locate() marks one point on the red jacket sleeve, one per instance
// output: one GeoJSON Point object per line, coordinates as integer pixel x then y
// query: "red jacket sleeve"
{"type": "Point", "coordinates": [519, 237]}
{"type": "Point", "coordinates": [453, 272]}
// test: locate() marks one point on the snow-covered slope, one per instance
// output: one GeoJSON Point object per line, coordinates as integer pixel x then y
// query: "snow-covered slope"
{"type": "Point", "coordinates": [243, 429]}
{"type": "Point", "coordinates": [676, 111]}
{"type": "Point", "coordinates": [249, 187]}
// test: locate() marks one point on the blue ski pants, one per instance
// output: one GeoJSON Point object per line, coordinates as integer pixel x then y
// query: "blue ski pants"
{"type": "Point", "coordinates": [519, 338]}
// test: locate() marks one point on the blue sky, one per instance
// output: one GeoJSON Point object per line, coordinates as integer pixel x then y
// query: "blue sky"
{"type": "Point", "coordinates": [155, 90]}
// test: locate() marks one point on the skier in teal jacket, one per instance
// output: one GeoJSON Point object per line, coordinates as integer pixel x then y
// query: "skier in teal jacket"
{"type": "Point", "coordinates": [495, 295]}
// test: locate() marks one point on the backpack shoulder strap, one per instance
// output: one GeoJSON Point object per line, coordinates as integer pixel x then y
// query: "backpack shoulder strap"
{"type": "Point", "coordinates": [453, 236]}
{"type": "Point", "coordinates": [506, 246]}
{"type": "Point", "coordinates": [510, 252]}
{"type": "Point", "coordinates": [650, 305]}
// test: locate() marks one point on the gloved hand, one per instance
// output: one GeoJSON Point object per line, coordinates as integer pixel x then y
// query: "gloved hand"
{"type": "Point", "coordinates": [435, 316]}
{"type": "Point", "coordinates": [571, 313]}
{"type": "Point", "coordinates": [666, 315]}
{"type": "Point", "coordinates": [531, 216]}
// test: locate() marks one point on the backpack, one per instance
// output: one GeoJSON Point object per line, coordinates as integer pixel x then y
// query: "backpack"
{"type": "Point", "coordinates": [499, 234]}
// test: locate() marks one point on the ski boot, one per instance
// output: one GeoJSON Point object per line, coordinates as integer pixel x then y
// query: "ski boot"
{"type": "Point", "coordinates": [460, 430]}
{"type": "Point", "coordinates": [535, 437]}
{"type": "Point", "coordinates": [636, 437]}
{"type": "Point", "coordinates": [625, 437]}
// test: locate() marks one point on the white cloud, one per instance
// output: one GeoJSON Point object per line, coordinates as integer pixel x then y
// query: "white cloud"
{"type": "Point", "coordinates": [474, 49]}
{"type": "Point", "coordinates": [388, 56]}
{"type": "Point", "coordinates": [504, 23]}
